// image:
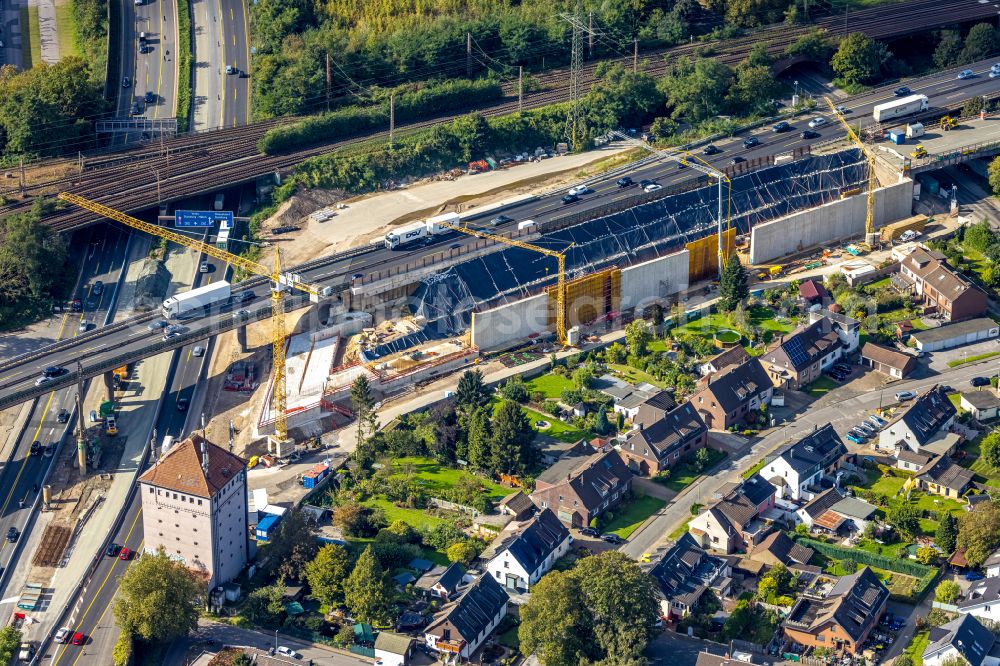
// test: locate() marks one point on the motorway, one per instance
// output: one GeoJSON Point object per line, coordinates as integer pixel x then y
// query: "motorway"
{"type": "Point", "coordinates": [221, 40]}
{"type": "Point", "coordinates": [136, 338]}
{"type": "Point", "coordinates": [154, 71]}
{"type": "Point", "coordinates": [23, 472]}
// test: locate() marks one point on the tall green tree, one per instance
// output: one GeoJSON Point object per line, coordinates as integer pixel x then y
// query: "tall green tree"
{"type": "Point", "coordinates": [555, 623]}
{"type": "Point", "coordinates": [327, 572]}
{"type": "Point", "coordinates": [637, 337]}
{"type": "Point", "coordinates": [601, 611]}
{"type": "Point", "coordinates": [754, 89]}
{"type": "Point", "coordinates": [156, 599]}
{"type": "Point", "coordinates": [480, 441]}
{"type": "Point", "coordinates": [292, 547]}
{"type": "Point", "coordinates": [28, 251]}
{"type": "Point", "coordinates": [949, 49]}
{"type": "Point", "coordinates": [990, 447]}
{"type": "Point", "coordinates": [471, 393]}
{"type": "Point", "coordinates": [994, 175]}
{"type": "Point", "coordinates": [363, 403]}
{"type": "Point", "coordinates": [10, 641]}
{"type": "Point", "coordinates": [979, 532]}
{"type": "Point", "coordinates": [981, 42]}
{"type": "Point", "coordinates": [947, 533]}
{"type": "Point", "coordinates": [859, 58]}
{"type": "Point", "coordinates": [367, 591]}
{"type": "Point", "coordinates": [265, 604]}
{"type": "Point", "coordinates": [696, 89]}
{"type": "Point", "coordinates": [905, 518]}
{"type": "Point", "coordinates": [513, 439]}
{"type": "Point", "coordinates": [734, 286]}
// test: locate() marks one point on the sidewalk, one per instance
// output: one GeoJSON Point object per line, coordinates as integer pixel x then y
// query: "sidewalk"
{"type": "Point", "coordinates": [138, 410]}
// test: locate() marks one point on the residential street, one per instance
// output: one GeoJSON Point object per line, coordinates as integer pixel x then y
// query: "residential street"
{"type": "Point", "coordinates": [837, 410]}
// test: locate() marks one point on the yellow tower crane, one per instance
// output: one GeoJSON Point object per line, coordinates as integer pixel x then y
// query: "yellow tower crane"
{"type": "Point", "coordinates": [870, 237]}
{"type": "Point", "coordinates": [559, 256]}
{"type": "Point", "coordinates": [280, 281]}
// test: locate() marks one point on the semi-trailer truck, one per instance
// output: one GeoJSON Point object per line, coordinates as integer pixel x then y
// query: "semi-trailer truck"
{"type": "Point", "coordinates": [900, 107]}
{"type": "Point", "coordinates": [432, 226]}
{"type": "Point", "coordinates": [195, 299]}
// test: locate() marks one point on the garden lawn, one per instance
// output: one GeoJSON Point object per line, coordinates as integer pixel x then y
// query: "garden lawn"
{"type": "Point", "coordinates": [634, 376]}
{"type": "Point", "coordinates": [821, 386]}
{"type": "Point", "coordinates": [437, 478]}
{"type": "Point", "coordinates": [917, 646]}
{"type": "Point", "coordinates": [974, 461]}
{"type": "Point", "coordinates": [628, 519]}
{"type": "Point", "coordinates": [658, 346]}
{"type": "Point", "coordinates": [955, 399]}
{"type": "Point", "coordinates": [551, 385]}
{"type": "Point", "coordinates": [510, 639]}
{"type": "Point", "coordinates": [679, 532]}
{"type": "Point", "coordinates": [683, 474]}
{"type": "Point", "coordinates": [416, 518]}
{"type": "Point", "coordinates": [564, 432]}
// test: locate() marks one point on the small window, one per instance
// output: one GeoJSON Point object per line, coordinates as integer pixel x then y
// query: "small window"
{"type": "Point", "coordinates": [199, 502]}
{"type": "Point", "coordinates": [150, 491]}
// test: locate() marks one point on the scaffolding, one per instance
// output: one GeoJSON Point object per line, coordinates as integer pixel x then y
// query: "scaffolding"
{"type": "Point", "coordinates": [703, 258]}
{"type": "Point", "coordinates": [590, 297]}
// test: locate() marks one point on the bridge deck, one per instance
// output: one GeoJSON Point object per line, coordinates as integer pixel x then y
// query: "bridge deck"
{"type": "Point", "coordinates": [973, 138]}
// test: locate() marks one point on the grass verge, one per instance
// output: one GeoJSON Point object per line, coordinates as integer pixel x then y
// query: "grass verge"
{"type": "Point", "coordinates": [628, 519]}
{"type": "Point", "coordinates": [684, 474]}
{"type": "Point", "coordinates": [972, 359]}
{"type": "Point", "coordinates": [184, 38]}
{"type": "Point", "coordinates": [69, 44]}
{"type": "Point", "coordinates": [31, 37]}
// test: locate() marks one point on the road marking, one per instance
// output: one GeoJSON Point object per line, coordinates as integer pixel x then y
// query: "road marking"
{"type": "Point", "coordinates": [79, 625]}
{"type": "Point", "coordinates": [222, 41]}
{"type": "Point", "coordinates": [231, 16]}
{"type": "Point", "coordinates": [246, 64]}
{"type": "Point", "coordinates": [24, 463]}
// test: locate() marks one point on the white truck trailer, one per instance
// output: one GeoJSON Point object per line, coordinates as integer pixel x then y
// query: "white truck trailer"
{"type": "Point", "coordinates": [202, 297]}
{"type": "Point", "coordinates": [898, 108]}
{"type": "Point", "coordinates": [414, 231]}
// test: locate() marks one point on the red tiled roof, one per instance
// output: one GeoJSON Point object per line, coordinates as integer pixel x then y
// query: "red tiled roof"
{"type": "Point", "coordinates": [181, 469]}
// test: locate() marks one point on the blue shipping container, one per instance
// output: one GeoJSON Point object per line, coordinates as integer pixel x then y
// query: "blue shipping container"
{"type": "Point", "coordinates": [897, 137]}
{"type": "Point", "coordinates": [266, 526]}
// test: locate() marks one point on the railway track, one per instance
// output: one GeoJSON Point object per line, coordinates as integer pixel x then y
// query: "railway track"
{"type": "Point", "coordinates": [196, 164]}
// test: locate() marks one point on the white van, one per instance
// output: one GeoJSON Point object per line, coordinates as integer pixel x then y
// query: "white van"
{"type": "Point", "coordinates": [525, 225]}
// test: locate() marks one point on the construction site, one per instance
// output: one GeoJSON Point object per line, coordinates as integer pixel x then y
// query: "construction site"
{"type": "Point", "coordinates": [562, 281]}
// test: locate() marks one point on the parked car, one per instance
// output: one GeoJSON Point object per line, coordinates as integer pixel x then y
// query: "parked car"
{"type": "Point", "coordinates": [865, 428]}
{"type": "Point", "coordinates": [876, 422]}
{"type": "Point", "coordinates": [979, 381]}
{"type": "Point", "coordinates": [612, 538]}
{"type": "Point", "coordinates": [905, 395]}
{"type": "Point", "coordinates": [751, 141]}
{"type": "Point", "coordinates": [288, 652]}
{"type": "Point", "coordinates": [901, 91]}
{"type": "Point", "coordinates": [590, 532]}
{"type": "Point", "coordinates": [974, 575]}
{"type": "Point", "coordinates": [859, 433]}
{"type": "Point", "coordinates": [854, 438]}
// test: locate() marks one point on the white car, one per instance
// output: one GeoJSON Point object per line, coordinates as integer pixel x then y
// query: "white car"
{"type": "Point", "coordinates": [43, 380]}
{"type": "Point", "coordinates": [63, 635]}
{"type": "Point", "coordinates": [652, 187]}
{"type": "Point", "coordinates": [577, 190]}
{"type": "Point", "coordinates": [994, 73]}
{"type": "Point", "coordinates": [289, 652]}
{"type": "Point", "coordinates": [818, 121]}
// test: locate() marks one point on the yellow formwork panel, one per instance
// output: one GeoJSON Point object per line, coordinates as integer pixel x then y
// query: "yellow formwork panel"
{"type": "Point", "coordinates": [703, 258]}
{"type": "Point", "coordinates": [589, 297]}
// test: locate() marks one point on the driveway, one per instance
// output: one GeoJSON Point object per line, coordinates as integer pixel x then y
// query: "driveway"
{"type": "Point", "coordinates": [673, 649]}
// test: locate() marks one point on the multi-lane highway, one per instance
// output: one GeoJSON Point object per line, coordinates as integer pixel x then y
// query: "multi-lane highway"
{"type": "Point", "coordinates": [222, 50]}
{"type": "Point", "coordinates": [104, 346]}
{"type": "Point", "coordinates": [21, 477]}
{"type": "Point", "coordinates": [148, 49]}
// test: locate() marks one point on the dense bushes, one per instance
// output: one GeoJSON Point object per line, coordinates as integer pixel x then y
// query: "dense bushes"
{"type": "Point", "coordinates": [90, 18]}
{"type": "Point", "coordinates": [184, 49]}
{"type": "Point", "coordinates": [411, 102]}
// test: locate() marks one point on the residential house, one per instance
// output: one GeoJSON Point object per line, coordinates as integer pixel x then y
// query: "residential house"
{"type": "Point", "coordinates": [627, 398]}
{"type": "Point", "coordinates": [816, 509]}
{"type": "Point", "coordinates": [847, 328]}
{"type": "Point", "coordinates": [734, 522]}
{"type": "Point", "coordinates": [891, 362]}
{"type": "Point", "coordinates": [522, 559]}
{"type": "Point", "coordinates": [843, 619]}
{"type": "Point", "coordinates": [684, 573]}
{"type": "Point", "coordinates": [733, 395]}
{"type": "Point", "coordinates": [964, 637]}
{"type": "Point", "coordinates": [518, 505]}
{"type": "Point", "coordinates": [798, 468]}
{"type": "Point", "coordinates": [442, 582]}
{"type": "Point", "coordinates": [983, 405]}
{"type": "Point", "coordinates": [943, 477]}
{"type": "Point", "coordinates": [461, 627]}
{"type": "Point", "coordinates": [650, 448]}
{"type": "Point", "coordinates": [912, 461]}
{"type": "Point", "coordinates": [856, 513]}
{"type": "Point", "coordinates": [735, 355]}
{"type": "Point", "coordinates": [982, 599]}
{"type": "Point", "coordinates": [992, 563]}
{"type": "Point", "coordinates": [393, 649]}
{"type": "Point", "coordinates": [654, 407]}
{"type": "Point", "coordinates": [940, 288]}
{"type": "Point", "coordinates": [813, 292]}
{"type": "Point", "coordinates": [778, 548]}
{"type": "Point", "coordinates": [579, 488]}
{"type": "Point", "coordinates": [194, 506]}
{"type": "Point", "coordinates": [925, 420]}
{"type": "Point", "coordinates": [709, 659]}
{"type": "Point", "coordinates": [801, 356]}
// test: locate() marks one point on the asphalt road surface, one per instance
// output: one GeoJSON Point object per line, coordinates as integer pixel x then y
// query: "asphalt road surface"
{"type": "Point", "coordinates": [604, 192]}
{"type": "Point", "coordinates": [103, 259]}
{"type": "Point", "coordinates": [149, 63]}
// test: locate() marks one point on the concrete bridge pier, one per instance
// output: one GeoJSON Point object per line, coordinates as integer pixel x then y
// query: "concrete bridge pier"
{"type": "Point", "coordinates": [109, 386]}
{"type": "Point", "coordinates": [241, 337]}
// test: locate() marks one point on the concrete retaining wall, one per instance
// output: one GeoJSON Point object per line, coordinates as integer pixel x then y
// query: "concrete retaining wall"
{"type": "Point", "coordinates": [496, 328]}
{"type": "Point", "coordinates": [645, 283]}
{"type": "Point", "coordinates": [837, 220]}
{"type": "Point", "coordinates": [654, 280]}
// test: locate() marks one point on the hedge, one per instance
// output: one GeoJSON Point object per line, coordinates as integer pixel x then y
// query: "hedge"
{"type": "Point", "coordinates": [184, 38]}
{"type": "Point", "coordinates": [412, 102]}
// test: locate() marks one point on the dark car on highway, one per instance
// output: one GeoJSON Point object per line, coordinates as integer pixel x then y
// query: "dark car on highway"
{"type": "Point", "coordinates": [12, 534]}
{"type": "Point", "coordinates": [36, 448]}
{"type": "Point", "coordinates": [901, 91]}
{"type": "Point", "coordinates": [750, 142]}
{"type": "Point", "coordinates": [737, 160]}
{"type": "Point", "coordinates": [780, 127]}
{"type": "Point", "coordinates": [501, 219]}
{"type": "Point", "coordinates": [570, 198]}
{"type": "Point", "coordinates": [710, 150]}
{"type": "Point", "coordinates": [625, 181]}
{"type": "Point", "coordinates": [112, 550]}
{"type": "Point", "coordinates": [808, 134]}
